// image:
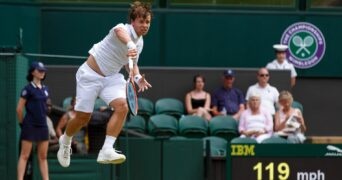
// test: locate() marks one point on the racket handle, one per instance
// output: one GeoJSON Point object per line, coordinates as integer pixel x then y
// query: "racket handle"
{"type": "Point", "coordinates": [130, 64]}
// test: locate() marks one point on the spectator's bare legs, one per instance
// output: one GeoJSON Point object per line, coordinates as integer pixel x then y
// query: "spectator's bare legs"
{"type": "Point", "coordinates": [42, 147]}
{"type": "Point", "coordinates": [202, 112]}
{"type": "Point", "coordinates": [26, 147]}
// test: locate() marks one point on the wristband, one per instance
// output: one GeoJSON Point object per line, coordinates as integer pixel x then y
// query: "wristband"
{"type": "Point", "coordinates": [137, 78]}
{"type": "Point", "coordinates": [131, 45]}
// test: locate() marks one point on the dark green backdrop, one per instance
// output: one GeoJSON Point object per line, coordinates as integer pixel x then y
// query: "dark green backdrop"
{"type": "Point", "coordinates": [178, 37]}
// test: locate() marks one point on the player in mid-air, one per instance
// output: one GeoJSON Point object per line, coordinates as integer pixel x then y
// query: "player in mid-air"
{"type": "Point", "coordinates": [99, 76]}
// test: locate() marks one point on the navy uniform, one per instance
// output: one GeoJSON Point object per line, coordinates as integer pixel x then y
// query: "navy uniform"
{"type": "Point", "coordinates": [34, 125]}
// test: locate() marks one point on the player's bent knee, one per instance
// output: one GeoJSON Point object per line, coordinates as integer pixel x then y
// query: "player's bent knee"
{"type": "Point", "coordinates": [120, 105]}
{"type": "Point", "coordinates": [82, 117]}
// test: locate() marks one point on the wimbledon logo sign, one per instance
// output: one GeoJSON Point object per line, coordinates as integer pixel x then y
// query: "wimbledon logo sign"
{"type": "Point", "coordinates": [306, 44]}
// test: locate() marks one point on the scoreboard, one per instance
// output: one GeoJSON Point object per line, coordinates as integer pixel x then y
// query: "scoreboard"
{"type": "Point", "coordinates": [284, 162]}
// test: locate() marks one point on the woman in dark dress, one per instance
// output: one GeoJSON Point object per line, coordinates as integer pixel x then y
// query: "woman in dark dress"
{"type": "Point", "coordinates": [198, 101]}
{"type": "Point", "coordinates": [33, 124]}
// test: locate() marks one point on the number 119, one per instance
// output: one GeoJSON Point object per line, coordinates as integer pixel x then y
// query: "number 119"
{"type": "Point", "coordinates": [283, 170]}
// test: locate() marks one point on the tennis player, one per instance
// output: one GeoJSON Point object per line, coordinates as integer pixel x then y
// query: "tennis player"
{"type": "Point", "coordinates": [99, 76]}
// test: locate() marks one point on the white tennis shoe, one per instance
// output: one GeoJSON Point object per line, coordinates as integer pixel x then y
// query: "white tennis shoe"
{"type": "Point", "coordinates": [63, 154]}
{"type": "Point", "coordinates": [110, 156]}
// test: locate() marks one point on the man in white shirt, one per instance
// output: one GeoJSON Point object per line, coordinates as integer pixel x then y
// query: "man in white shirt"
{"type": "Point", "coordinates": [268, 94]}
{"type": "Point", "coordinates": [99, 76]}
{"type": "Point", "coordinates": [280, 63]}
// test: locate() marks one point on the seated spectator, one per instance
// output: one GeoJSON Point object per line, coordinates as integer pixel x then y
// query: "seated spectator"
{"type": "Point", "coordinates": [53, 140]}
{"type": "Point", "coordinates": [281, 63]}
{"type": "Point", "coordinates": [228, 100]}
{"type": "Point", "coordinates": [256, 122]}
{"type": "Point", "coordinates": [197, 101]}
{"type": "Point", "coordinates": [269, 94]}
{"type": "Point", "coordinates": [289, 121]}
{"type": "Point", "coordinates": [78, 143]}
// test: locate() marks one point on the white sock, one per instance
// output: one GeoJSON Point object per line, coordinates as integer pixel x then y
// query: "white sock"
{"type": "Point", "coordinates": [109, 142]}
{"type": "Point", "coordinates": [66, 139]}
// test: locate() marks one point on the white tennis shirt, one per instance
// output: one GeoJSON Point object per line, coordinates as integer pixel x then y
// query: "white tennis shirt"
{"type": "Point", "coordinates": [111, 54]}
{"type": "Point", "coordinates": [268, 96]}
{"type": "Point", "coordinates": [284, 66]}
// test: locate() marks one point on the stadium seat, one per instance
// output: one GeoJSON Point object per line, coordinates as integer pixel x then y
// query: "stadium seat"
{"type": "Point", "coordinates": [66, 103]}
{"type": "Point", "coordinates": [170, 106]}
{"type": "Point", "coordinates": [162, 125]}
{"type": "Point", "coordinates": [223, 126]}
{"type": "Point", "coordinates": [136, 123]}
{"type": "Point", "coordinates": [275, 140]}
{"type": "Point", "coordinates": [243, 140]}
{"type": "Point", "coordinates": [145, 108]}
{"type": "Point", "coordinates": [99, 103]}
{"type": "Point", "coordinates": [296, 104]}
{"type": "Point", "coordinates": [218, 146]}
{"type": "Point", "coordinates": [178, 138]}
{"type": "Point", "coordinates": [193, 126]}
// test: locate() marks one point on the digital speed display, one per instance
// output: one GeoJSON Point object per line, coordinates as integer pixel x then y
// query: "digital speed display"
{"type": "Point", "coordinates": [315, 168]}
{"type": "Point", "coordinates": [284, 162]}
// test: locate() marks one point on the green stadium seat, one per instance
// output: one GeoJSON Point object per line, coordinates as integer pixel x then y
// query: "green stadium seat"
{"type": "Point", "coordinates": [298, 105]}
{"type": "Point", "coordinates": [178, 138]}
{"type": "Point", "coordinates": [243, 140]}
{"type": "Point", "coordinates": [136, 123]}
{"type": "Point", "coordinates": [223, 126]}
{"type": "Point", "coordinates": [218, 146]}
{"type": "Point", "coordinates": [193, 126]}
{"type": "Point", "coordinates": [99, 103]}
{"type": "Point", "coordinates": [275, 140]}
{"type": "Point", "coordinates": [145, 108]}
{"type": "Point", "coordinates": [170, 106]}
{"type": "Point", "coordinates": [162, 125]}
{"type": "Point", "coordinates": [66, 103]}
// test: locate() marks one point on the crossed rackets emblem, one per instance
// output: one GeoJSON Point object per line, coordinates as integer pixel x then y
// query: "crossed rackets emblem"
{"type": "Point", "coordinates": [303, 44]}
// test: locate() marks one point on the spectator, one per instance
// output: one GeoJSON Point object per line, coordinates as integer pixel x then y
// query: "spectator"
{"type": "Point", "coordinates": [198, 101]}
{"type": "Point", "coordinates": [34, 125]}
{"type": "Point", "coordinates": [280, 63]}
{"type": "Point", "coordinates": [289, 121]}
{"type": "Point", "coordinates": [256, 122]}
{"type": "Point", "coordinates": [78, 142]}
{"type": "Point", "coordinates": [53, 141]}
{"type": "Point", "coordinates": [228, 100]}
{"type": "Point", "coordinates": [269, 94]}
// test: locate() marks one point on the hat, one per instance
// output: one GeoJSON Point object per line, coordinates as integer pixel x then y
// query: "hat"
{"type": "Point", "coordinates": [229, 73]}
{"type": "Point", "coordinates": [280, 47]}
{"type": "Point", "coordinates": [38, 65]}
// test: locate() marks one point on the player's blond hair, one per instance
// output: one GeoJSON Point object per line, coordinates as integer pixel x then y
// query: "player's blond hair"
{"type": "Point", "coordinates": [139, 9]}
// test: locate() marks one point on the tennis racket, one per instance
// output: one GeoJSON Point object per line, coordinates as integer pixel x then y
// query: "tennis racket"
{"type": "Point", "coordinates": [131, 93]}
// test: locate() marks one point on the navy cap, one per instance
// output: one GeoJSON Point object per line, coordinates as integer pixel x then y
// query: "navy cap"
{"type": "Point", "coordinates": [229, 73]}
{"type": "Point", "coordinates": [38, 65]}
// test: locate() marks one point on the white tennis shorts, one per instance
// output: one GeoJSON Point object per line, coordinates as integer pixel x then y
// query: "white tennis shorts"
{"type": "Point", "coordinates": [91, 85]}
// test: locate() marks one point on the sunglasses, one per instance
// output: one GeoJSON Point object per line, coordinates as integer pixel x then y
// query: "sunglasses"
{"type": "Point", "coordinates": [263, 75]}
